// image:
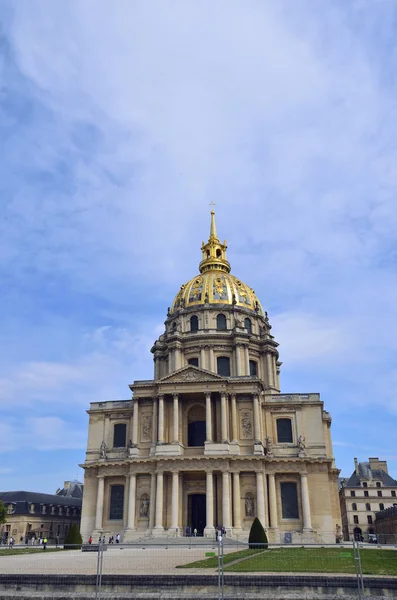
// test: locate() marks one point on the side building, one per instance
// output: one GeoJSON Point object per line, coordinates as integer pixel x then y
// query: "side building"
{"type": "Point", "coordinates": [210, 441]}
{"type": "Point", "coordinates": [35, 515]}
{"type": "Point", "coordinates": [368, 490]}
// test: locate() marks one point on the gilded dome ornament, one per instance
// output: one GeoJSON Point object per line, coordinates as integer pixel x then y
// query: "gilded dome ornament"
{"type": "Point", "coordinates": [215, 284]}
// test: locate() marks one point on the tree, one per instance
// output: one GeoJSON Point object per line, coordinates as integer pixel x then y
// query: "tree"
{"type": "Point", "coordinates": [3, 513]}
{"type": "Point", "coordinates": [257, 537]}
{"type": "Point", "coordinates": [73, 539]}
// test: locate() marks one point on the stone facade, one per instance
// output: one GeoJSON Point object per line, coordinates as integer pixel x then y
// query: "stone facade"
{"type": "Point", "coordinates": [368, 490]}
{"type": "Point", "coordinates": [211, 441]}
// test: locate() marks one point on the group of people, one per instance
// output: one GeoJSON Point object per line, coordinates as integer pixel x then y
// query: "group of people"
{"type": "Point", "coordinates": [102, 539]}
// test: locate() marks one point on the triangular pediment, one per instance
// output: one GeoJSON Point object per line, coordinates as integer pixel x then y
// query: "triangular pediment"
{"type": "Point", "coordinates": [190, 373]}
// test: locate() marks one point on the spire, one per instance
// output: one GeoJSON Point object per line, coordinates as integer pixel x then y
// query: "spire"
{"type": "Point", "coordinates": [214, 253]}
{"type": "Point", "coordinates": [213, 235]}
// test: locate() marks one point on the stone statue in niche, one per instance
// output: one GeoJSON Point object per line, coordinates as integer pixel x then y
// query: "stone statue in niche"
{"type": "Point", "coordinates": [246, 425]}
{"type": "Point", "coordinates": [146, 428]}
{"type": "Point", "coordinates": [103, 450]}
{"type": "Point", "coordinates": [249, 507]}
{"type": "Point", "coordinates": [144, 508]}
{"type": "Point", "coordinates": [269, 447]}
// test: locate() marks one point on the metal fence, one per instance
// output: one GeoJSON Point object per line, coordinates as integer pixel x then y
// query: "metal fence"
{"type": "Point", "coordinates": [98, 563]}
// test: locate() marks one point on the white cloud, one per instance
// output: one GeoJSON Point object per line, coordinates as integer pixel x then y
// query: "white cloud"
{"type": "Point", "coordinates": [284, 114]}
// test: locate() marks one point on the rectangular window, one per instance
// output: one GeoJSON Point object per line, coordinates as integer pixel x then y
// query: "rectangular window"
{"type": "Point", "coordinates": [393, 493]}
{"type": "Point", "coordinates": [380, 494]}
{"type": "Point", "coordinates": [120, 435]}
{"type": "Point", "coordinates": [193, 361]}
{"type": "Point", "coordinates": [369, 519]}
{"type": "Point", "coordinates": [116, 502]}
{"type": "Point", "coordinates": [223, 366]}
{"type": "Point", "coordinates": [253, 368]}
{"type": "Point", "coordinates": [284, 431]}
{"type": "Point", "coordinates": [378, 484]}
{"type": "Point", "coordinates": [353, 494]}
{"type": "Point", "coordinates": [355, 519]}
{"type": "Point", "coordinates": [366, 493]}
{"type": "Point", "coordinates": [289, 500]}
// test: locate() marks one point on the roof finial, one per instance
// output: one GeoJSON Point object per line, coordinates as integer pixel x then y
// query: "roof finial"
{"type": "Point", "coordinates": [213, 226]}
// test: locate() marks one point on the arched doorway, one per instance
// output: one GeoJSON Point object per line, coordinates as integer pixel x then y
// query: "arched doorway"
{"type": "Point", "coordinates": [196, 428]}
{"type": "Point", "coordinates": [197, 513]}
{"type": "Point", "coordinates": [358, 534]}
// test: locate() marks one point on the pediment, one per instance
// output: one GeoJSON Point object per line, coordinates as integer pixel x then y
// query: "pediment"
{"type": "Point", "coordinates": [190, 373]}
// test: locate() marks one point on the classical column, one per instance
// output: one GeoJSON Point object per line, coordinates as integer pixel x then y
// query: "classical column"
{"type": "Point", "coordinates": [260, 498]}
{"type": "Point", "coordinates": [269, 368]}
{"type": "Point", "coordinates": [202, 358]}
{"type": "Point", "coordinates": [224, 427]}
{"type": "Point", "coordinates": [176, 419]}
{"type": "Point", "coordinates": [247, 360]}
{"type": "Point", "coordinates": [131, 502]}
{"type": "Point", "coordinates": [177, 355]}
{"type": "Point", "coordinates": [234, 419]}
{"type": "Point", "coordinates": [152, 505]}
{"type": "Point", "coordinates": [257, 424]}
{"type": "Point", "coordinates": [208, 416]}
{"type": "Point", "coordinates": [159, 501]}
{"type": "Point", "coordinates": [226, 500]}
{"type": "Point", "coordinates": [212, 360]}
{"type": "Point", "coordinates": [210, 500]}
{"type": "Point", "coordinates": [307, 523]}
{"type": "Point", "coordinates": [273, 501]}
{"type": "Point", "coordinates": [237, 500]}
{"type": "Point", "coordinates": [135, 422]}
{"type": "Point", "coordinates": [238, 366]}
{"type": "Point", "coordinates": [154, 421]}
{"type": "Point", "coordinates": [99, 502]}
{"type": "Point", "coordinates": [175, 501]}
{"type": "Point", "coordinates": [156, 368]}
{"type": "Point", "coordinates": [161, 420]}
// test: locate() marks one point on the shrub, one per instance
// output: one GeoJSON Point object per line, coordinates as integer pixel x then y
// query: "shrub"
{"type": "Point", "coordinates": [73, 539]}
{"type": "Point", "coordinates": [257, 537]}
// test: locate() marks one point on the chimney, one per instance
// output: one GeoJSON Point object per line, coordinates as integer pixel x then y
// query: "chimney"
{"type": "Point", "coordinates": [356, 465]}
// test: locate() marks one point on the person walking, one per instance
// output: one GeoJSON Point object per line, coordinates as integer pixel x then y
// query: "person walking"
{"type": "Point", "coordinates": [118, 538]}
{"type": "Point", "coordinates": [90, 540]}
{"type": "Point", "coordinates": [44, 544]}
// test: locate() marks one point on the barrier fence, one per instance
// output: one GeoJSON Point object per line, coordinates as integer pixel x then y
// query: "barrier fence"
{"type": "Point", "coordinates": [220, 558]}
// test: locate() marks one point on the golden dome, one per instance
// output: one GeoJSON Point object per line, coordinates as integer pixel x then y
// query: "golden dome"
{"type": "Point", "coordinates": [215, 284]}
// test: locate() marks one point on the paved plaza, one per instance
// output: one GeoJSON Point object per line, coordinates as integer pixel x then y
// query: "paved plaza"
{"type": "Point", "coordinates": [116, 560]}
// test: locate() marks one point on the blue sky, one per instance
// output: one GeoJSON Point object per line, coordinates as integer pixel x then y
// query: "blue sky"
{"type": "Point", "coordinates": [118, 126]}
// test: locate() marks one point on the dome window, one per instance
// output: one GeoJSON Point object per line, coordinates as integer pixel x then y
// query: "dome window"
{"type": "Point", "coordinates": [194, 325]}
{"type": "Point", "coordinates": [193, 361]}
{"type": "Point", "coordinates": [218, 253]}
{"type": "Point", "coordinates": [253, 368]}
{"type": "Point", "coordinates": [223, 366]}
{"type": "Point", "coordinates": [248, 325]}
{"type": "Point", "coordinates": [221, 322]}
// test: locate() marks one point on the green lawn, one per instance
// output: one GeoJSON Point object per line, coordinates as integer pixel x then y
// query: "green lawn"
{"type": "Point", "coordinates": [209, 563]}
{"type": "Point", "coordinates": [306, 560]}
{"type": "Point", "coordinates": [29, 550]}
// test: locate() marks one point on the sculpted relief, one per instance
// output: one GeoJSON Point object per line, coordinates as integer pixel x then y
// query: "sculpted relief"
{"type": "Point", "coordinates": [246, 425]}
{"type": "Point", "coordinates": [146, 431]}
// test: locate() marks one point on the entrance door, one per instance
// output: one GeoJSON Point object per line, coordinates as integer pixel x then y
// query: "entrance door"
{"type": "Point", "coordinates": [197, 514]}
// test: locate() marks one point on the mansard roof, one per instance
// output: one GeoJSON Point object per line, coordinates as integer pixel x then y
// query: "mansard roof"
{"type": "Point", "coordinates": [38, 498]}
{"type": "Point", "coordinates": [365, 472]}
